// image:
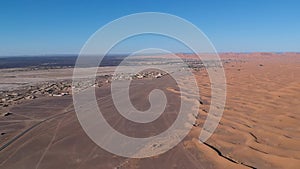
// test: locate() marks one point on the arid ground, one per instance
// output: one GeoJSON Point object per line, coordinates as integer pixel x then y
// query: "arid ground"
{"type": "Point", "coordinates": [259, 127]}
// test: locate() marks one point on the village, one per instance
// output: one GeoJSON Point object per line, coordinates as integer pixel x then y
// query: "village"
{"type": "Point", "coordinates": [64, 88]}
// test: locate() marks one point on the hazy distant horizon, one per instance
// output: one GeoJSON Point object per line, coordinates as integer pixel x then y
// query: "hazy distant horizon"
{"type": "Point", "coordinates": [122, 54]}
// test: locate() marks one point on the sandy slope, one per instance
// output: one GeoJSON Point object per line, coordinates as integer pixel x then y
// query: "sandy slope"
{"type": "Point", "coordinates": [259, 126]}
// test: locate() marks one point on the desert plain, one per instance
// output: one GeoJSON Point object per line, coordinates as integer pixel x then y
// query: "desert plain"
{"type": "Point", "coordinates": [259, 127]}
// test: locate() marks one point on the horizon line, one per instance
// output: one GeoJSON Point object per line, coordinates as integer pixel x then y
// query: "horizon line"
{"type": "Point", "coordinates": [116, 54]}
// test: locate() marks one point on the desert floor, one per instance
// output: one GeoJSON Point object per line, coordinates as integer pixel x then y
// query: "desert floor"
{"type": "Point", "coordinates": [259, 127]}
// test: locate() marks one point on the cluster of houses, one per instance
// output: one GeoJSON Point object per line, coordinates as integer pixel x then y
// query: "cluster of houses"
{"type": "Point", "coordinates": [32, 92]}
{"type": "Point", "coordinates": [141, 75]}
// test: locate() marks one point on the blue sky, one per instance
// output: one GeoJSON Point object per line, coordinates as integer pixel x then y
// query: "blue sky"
{"type": "Point", "coordinates": [31, 27]}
